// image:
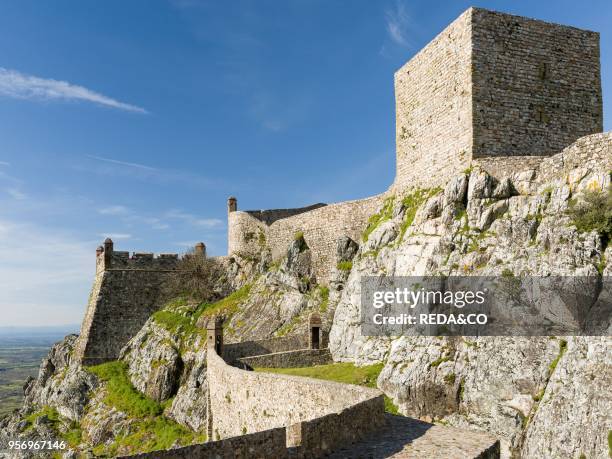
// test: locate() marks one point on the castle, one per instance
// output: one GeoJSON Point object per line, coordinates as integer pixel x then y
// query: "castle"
{"type": "Point", "coordinates": [495, 90]}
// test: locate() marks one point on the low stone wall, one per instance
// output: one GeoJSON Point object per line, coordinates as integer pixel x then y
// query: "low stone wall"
{"type": "Point", "coordinates": [258, 445]}
{"type": "Point", "coordinates": [289, 359]}
{"type": "Point", "coordinates": [234, 351]}
{"type": "Point", "coordinates": [246, 401]}
{"type": "Point", "coordinates": [323, 435]}
{"type": "Point", "coordinates": [591, 153]}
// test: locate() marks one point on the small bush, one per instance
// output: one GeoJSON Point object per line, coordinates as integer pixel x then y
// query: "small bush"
{"type": "Point", "coordinates": [298, 235]}
{"type": "Point", "coordinates": [593, 213]}
{"type": "Point", "coordinates": [196, 277]}
{"type": "Point", "coordinates": [345, 265]}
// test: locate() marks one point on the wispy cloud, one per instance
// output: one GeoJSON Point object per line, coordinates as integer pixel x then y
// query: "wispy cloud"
{"type": "Point", "coordinates": [194, 220]}
{"type": "Point", "coordinates": [113, 210]}
{"type": "Point", "coordinates": [22, 86]}
{"type": "Point", "coordinates": [123, 163]}
{"type": "Point", "coordinates": [119, 168]}
{"type": "Point", "coordinates": [398, 22]}
{"type": "Point", "coordinates": [45, 274]}
{"type": "Point", "coordinates": [16, 194]}
{"type": "Point", "coordinates": [4, 163]}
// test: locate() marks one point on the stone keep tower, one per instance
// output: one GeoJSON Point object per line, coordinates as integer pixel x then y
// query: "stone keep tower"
{"type": "Point", "coordinates": [494, 85]}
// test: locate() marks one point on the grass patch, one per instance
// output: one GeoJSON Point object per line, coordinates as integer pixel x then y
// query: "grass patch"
{"type": "Point", "coordinates": [290, 326]}
{"type": "Point", "coordinates": [324, 293]}
{"type": "Point", "coordinates": [412, 203]}
{"type": "Point", "coordinates": [345, 265]}
{"type": "Point", "coordinates": [150, 435]}
{"type": "Point", "coordinates": [562, 349]}
{"type": "Point", "coordinates": [438, 362]}
{"type": "Point", "coordinates": [228, 305]}
{"type": "Point", "coordinates": [593, 212]}
{"type": "Point", "coordinates": [48, 411]}
{"type": "Point", "coordinates": [346, 373]}
{"type": "Point", "coordinates": [121, 393]}
{"type": "Point", "coordinates": [375, 220]}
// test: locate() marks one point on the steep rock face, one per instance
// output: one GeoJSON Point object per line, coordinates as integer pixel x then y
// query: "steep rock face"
{"type": "Point", "coordinates": [61, 382]}
{"type": "Point", "coordinates": [61, 390]}
{"type": "Point", "coordinates": [513, 387]}
{"type": "Point", "coordinates": [576, 391]}
{"type": "Point", "coordinates": [154, 362]}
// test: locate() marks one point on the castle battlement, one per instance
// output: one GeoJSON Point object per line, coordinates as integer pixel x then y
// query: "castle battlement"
{"type": "Point", "coordinates": [107, 259]}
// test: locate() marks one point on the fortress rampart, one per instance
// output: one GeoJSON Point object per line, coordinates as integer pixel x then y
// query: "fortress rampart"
{"type": "Point", "coordinates": [321, 226]}
{"type": "Point", "coordinates": [126, 291]}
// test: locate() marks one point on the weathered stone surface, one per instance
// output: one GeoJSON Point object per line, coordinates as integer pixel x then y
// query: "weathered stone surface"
{"type": "Point", "coordinates": [154, 363]}
{"type": "Point", "coordinates": [504, 386]}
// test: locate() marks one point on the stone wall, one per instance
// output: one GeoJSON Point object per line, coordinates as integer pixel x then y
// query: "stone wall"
{"type": "Point", "coordinates": [433, 109]}
{"type": "Point", "coordinates": [322, 226]}
{"type": "Point", "coordinates": [258, 445]}
{"type": "Point", "coordinates": [536, 86]}
{"type": "Point", "coordinates": [246, 401]}
{"type": "Point", "coordinates": [587, 155]}
{"type": "Point", "coordinates": [126, 291]}
{"type": "Point", "coordinates": [494, 85]}
{"type": "Point", "coordinates": [234, 351]}
{"type": "Point", "coordinates": [289, 359]}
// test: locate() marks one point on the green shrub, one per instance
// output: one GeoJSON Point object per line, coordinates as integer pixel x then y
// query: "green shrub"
{"type": "Point", "coordinates": [593, 213]}
{"type": "Point", "coordinates": [298, 235]}
{"type": "Point", "coordinates": [345, 265]}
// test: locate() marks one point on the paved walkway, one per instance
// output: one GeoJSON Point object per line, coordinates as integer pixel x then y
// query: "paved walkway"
{"type": "Point", "coordinates": [409, 438]}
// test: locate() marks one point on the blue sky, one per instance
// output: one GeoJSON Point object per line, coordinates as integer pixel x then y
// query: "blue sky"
{"type": "Point", "coordinates": [137, 119]}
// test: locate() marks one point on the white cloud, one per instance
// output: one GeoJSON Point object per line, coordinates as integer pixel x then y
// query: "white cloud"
{"type": "Point", "coordinates": [16, 194]}
{"type": "Point", "coordinates": [115, 236]}
{"type": "Point", "coordinates": [118, 168]}
{"type": "Point", "coordinates": [113, 210]}
{"type": "Point", "coordinates": [123, 163]}
{"type": "Point", "coordinates": [4, 163]}
{"type": "Point", "coordinates": [22, 86]}
{"type": "Point", "coordinates": [45, 275]}
{"type": "Point", "coordinates": [398, 21]}
{"type": "Point", "coordinates": [194, 220]}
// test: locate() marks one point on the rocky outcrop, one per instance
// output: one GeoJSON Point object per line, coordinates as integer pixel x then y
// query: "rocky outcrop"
{"type": "Point", "coordinates": [541, 396]}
